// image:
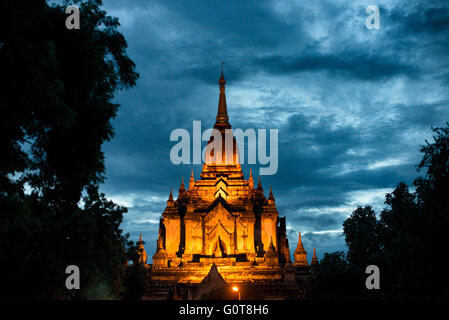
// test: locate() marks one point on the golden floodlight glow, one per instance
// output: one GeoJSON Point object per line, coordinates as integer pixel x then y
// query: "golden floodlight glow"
{"type": "Point", "coordinates": [222, 231]}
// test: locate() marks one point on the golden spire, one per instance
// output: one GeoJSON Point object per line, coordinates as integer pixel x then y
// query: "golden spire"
{"type": "Point", "coordinates": [300, 254]}
{"type": "Point", "coordinates": [170, 202]}
{"type": "Point", "coordinates": [314, 262]}
{"type": "Point", "coordinates": [259, 186]}
{"type": "Point", "coordinates": [250, 179]}
{"type": "Point", "coordinates": [222, 119]}
{"type": "Point", "coordinates": [192, 181]}
{"type": "Point", "coordinates": [271, 197]}
{"type": "Point", "coordinates": [271, 251]}
{"type": "Point", "coordinates": [182, 189]}
{"type": "Point", "coordinates": [140, 237]}
{"type": "Point", "coordinates": [141, 251]}
{"type": "Point", "coordinates": [300, 247]}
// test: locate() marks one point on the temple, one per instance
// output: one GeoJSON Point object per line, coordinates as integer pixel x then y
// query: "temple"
{"type": "Point", "coordinates": [223, 227]}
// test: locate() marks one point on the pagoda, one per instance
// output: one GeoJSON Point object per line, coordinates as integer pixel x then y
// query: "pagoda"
{"type": "Point", "coordinates": [223, 220]}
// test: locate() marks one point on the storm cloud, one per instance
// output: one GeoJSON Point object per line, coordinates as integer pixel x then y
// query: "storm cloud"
{"type": "Point", "coordinates": [352, 105]}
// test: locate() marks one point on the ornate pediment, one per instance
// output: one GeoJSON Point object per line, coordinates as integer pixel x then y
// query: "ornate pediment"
{"type": "Point", "coordinates": [220, 214]}
{"type": "Point", "coordinates": [219, 226]}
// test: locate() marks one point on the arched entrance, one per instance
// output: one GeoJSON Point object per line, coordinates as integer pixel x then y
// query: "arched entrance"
{"type": "Point", "coordinates": [219, 249]}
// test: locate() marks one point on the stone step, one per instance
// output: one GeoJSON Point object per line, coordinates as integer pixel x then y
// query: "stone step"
{"type": "Point", "coordinates": [157, 291]}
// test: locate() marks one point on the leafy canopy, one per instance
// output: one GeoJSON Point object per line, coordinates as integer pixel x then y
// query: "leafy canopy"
{"type": "Point", "coordinates": [56, 104]}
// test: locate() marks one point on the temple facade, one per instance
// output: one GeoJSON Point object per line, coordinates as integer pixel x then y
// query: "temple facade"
{"type": "Point", "coordinates": [223, 222]}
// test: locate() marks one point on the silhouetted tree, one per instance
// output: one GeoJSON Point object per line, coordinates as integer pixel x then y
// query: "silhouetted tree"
{"type": "Point", "coordinates": [408, 242]}
{"type": "Point", "coordinates": [134, 281]}
{"type": "Point", "coordinates": [56, 92]}
{"type": "Point", "coordinates": [399, 225]}
{"type": "Point", "coordinates": [333, 279]}
{"type": "Point", "coordinates": [361, 231]}
{"type": "Point", "coordinates": [135, 276]}
{"type": "Point", "coordinates": [430, 276]}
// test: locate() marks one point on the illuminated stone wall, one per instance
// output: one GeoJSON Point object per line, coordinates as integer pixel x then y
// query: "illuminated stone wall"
{"type": "Point", "coordinates": [221, 219]}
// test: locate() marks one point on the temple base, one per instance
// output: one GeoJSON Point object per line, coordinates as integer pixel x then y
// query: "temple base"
{"type": "Point", "coordinates": [270, 282]}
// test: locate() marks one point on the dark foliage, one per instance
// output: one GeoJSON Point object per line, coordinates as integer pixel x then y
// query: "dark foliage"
{"type": "Point", "coordinates": [408, 241]}
{"type": "Point", "coordinates": [134, 281]}
{"type": "Point", "coordinates": [333, 278]}
{"type": "Point", "coordinates": [56, 91]}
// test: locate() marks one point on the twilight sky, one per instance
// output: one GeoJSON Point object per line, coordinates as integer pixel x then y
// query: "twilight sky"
{"type": "Point", "coordinates": [352, 105]}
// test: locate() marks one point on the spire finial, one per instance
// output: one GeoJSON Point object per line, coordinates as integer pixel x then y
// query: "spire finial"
{"type": "Point", "coordinates": [141, 251]}
{"type": "Point", "coordinates": [314, 262]}
{"type": "Point", "coordinates": [299, 246]}
{"type": "Point", "coordinates": [170, 202]}
{"type": "Point", "coordinates": [271, 248]}
{"type": "Point", "coordinates": [222, 80]}
{"type": "Point", "coordinates": [300, 254]}
{"type": "Point", "coordinates": [250, 179]}
{"type": "Point", "coordinates": [271, 197]}
{"type": "Point", "coordinates": [259, 188]}
{"type": "Point", "coordinates": [182, 189]}
{"type": "Point", "coordinates": [192, 181]}
{"type": "Point", "coordinates": [140, 237]}
{"type": "Point", "coordinates": [222, 119]}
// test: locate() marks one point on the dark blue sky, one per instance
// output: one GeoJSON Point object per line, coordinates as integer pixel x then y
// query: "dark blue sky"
{"type": "Point", "coordinates": [352, 105]}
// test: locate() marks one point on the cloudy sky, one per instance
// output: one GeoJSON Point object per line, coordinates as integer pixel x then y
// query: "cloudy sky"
{"type": "Point", "coordinates": [352, 105]}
